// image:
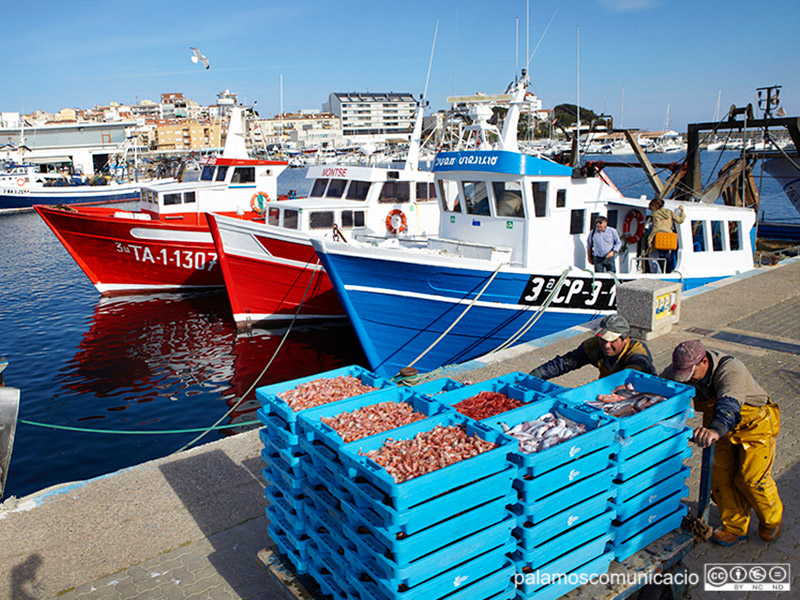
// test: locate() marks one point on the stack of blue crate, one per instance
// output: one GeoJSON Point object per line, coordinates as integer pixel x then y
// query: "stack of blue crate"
{"type": "Point", "coordinates": [445, 533]}
{"type": "Point", "coordinates": [649, 454]}
{"type": "Point", "coordinates": [284, 459]}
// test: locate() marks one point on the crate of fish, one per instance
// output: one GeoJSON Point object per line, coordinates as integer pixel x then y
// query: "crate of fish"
{"type": "Point", "coordinates": [376, 507]}
{"type": "Point", "coordinates": [637, 400]}
{"type": "Point", "coordinates": [436, 387]}
{"type": "Point", "coordinates": [625, 548]}
{"type": "Point", "coordinates": [405, 551]}
{"type": "Point", "coordinates": [529, 382]}
{"type": "Point", "coordinates": [417, 462]}
{"type": "Point", "coordinates": [643, 500]}
{"type": "Point", "coordinates": [551, 432]}
{"type": "Point", "coordinates": [531, 535]}
{"type": "Point", "coordinates": [539, 507]}
{"type": "Point", "coordinates": [355, 418]}
{"type": "Point", "coordinates": [289, 398]}
{"type": "Point", "coordinates": [485, 575]}
{"type": "Point", "coordinates": [666, 451]}
{"type": "Point", "coordinates": [631, 446]}
{"type": "Point", "coordinates": [543, 585]}
{"type": "Point", "coordinates": [489, 398]}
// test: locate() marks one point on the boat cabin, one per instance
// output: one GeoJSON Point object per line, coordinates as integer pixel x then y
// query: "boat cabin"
{"type": "Point", "coordinates": [225, 185]}
{"type": "Point", "coordinates": [542, 214]}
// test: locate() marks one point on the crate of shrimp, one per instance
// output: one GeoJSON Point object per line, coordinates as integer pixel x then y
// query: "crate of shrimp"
{"type": "Point", "coordinates": [489, 398]}
{"type": "Point", "coordinates": [416, 462]}
{"type": "Point", "coordinates": [287, 399]}
{"type": "Point", "coordinates": [636, 400]}
{"type": "Point", "coordinates": [551, 433]}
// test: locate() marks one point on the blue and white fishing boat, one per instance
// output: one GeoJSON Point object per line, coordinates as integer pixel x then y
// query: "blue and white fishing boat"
{"type": "Point", "coordinates": [509, 263]}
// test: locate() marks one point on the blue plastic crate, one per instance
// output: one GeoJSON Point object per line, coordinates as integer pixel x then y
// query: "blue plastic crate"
{"type": "Point", "coordinates": [528, 381]}
{"type": "Point", "coordinates": [578, 491]}
{"type": "Point", "coordinates": [277, 430]}
{"type": "Point", "coordinates": [327, 502]}
{"type": "Point", "coordinates": [286, 520]}
{"type": "Point", "coordinates": [268, 395]}
{"type": "Point", "coordinates": [289, 502]}
{"type": "Point", "coordinates": [531, 535]}
{"type": "Point", "coordinates": [532, 489]}
{"type": "Point", "coordinates": [292, 457]}
{"type": "Point", "coordinates": [295, 549]}
{"type": "Point", "coordinates": [653, 513]}
{"type": "Point", "coordinates": [678, 398]}
{"type": "Point", "coordinates": [313, 428]}
{"type": "Point", "coordinates": [647, 479]}
{"type": "Point", "coordinates": [596, 566]}
{"type": "Point", "coordinates": [414, 491]}
{"type": "Point", "coordinates": [435, 387]}
{"type": "Point", "coordinates": [600, 432]}
{"type": "Point", "coordinates": [322, 461]}
{"type": "Point", "coordinates": [624, 549]}
{"type": "Point", "coordinates": [374, 506]}
{"type": "Point", "coordinates": [483, 575]}
{"type": "Point", "coordinates": [291, 479]}
{"type": "Point", "coordinates": [668, 450]}
{"type": "Point", "coordinates": [651, 495]}
{"type": "Point", "coordinates": [500, 385]}
{"type": "Point", "coordinates": [567, 561]}
{"type": "Point", "coordinates": [404, 550]}
{"type": "Point", "coordinates": [631, 446]}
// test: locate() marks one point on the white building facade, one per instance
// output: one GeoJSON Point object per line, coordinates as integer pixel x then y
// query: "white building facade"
{"type": "Point", "coordinates": [371, 117]}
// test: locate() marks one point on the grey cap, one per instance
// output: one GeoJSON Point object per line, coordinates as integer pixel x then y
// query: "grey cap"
{"type": "Point", "coordinates": [613, 326]}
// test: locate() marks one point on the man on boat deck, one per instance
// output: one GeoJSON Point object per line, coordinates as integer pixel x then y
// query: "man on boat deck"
{"type": "Point", "coordinates": [610, 350]}
{"type": "Point", "coordinates": [739, 417]}
{"type": "Point", "coordinates": [602, 246]}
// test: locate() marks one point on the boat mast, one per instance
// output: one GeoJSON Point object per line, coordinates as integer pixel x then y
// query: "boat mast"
{"type": "Point", "coordinates": [578, 127]}
{"type": "Point", "coordinates": [412, 160]}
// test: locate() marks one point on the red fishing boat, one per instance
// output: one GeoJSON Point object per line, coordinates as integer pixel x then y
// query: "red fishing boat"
{"type": "Point", "coordinates": [166, 244]}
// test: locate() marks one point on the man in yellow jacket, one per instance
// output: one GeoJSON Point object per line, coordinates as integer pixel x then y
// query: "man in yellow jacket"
{"type": "Point", "coordinates": [739, 417]}
{"type": "Point", "coordinates": [611, 349]}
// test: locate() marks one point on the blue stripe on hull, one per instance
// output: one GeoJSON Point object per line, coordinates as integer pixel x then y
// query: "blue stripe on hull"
{"type": "Point", "coordinates": [28, 200]}
{"type": "Point", "coordinates": [394, 330]}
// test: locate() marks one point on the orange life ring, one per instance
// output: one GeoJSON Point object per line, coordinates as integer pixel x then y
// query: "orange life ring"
{"type": "Point", "coordinates": [390, 222]}
{"type": "Point", "coordinates": [637, 216]}
{"type": "Point", "coordinates": [20, 182]}
{"type": "Point", "coordinates": [258, 202]}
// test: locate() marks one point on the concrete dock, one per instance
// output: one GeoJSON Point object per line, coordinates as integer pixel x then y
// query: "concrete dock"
{"type": "Point", "coordinates": [192, 525]}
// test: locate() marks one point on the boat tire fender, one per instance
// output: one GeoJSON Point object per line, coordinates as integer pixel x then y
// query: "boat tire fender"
{"type": "Point", "coordinates": [627, 226]}
{"type": "Point", "coordinates": [399, 226]}
{"type": "Point", "coordinates": [259, 201]}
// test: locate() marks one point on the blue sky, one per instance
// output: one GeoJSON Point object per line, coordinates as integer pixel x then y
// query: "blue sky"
{"type": "Point", "coordinates": [675, 52]}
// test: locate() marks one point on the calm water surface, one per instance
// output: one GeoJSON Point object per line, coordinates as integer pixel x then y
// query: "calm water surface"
{"type": "Point", "coordinates": [159, 362]}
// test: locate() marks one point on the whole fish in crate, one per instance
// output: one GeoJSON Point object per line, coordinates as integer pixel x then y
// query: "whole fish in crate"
{"type": "Point", "coordinates": [545, 432]}
{"type": "Point", "coordinates": [625, 401]}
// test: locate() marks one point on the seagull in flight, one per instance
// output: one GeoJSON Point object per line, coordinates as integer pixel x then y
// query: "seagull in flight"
{"type": "Point", "coordinates": [199, 58]}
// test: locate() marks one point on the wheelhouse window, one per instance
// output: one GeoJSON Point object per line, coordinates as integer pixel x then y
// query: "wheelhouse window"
{"type": "Point", "coordinates": [188, 198]}
{"type": "Point", "coordinates": [207, 174]}
{"type": "Point", "coordinates": [716, 236]}
{"type": "Point", "coordinates": [358, 190]}
{"type": "Point", "coordinates": [336, 188]}
{"type": "Point", "coordinates": [613, 216]}
{"type": "Point", "coordinates": [244, 175]}
{"type": "Point", "coordinates": [290, 219]}
{"type": "Point", "coordinates": [172, 199]}
{"type": "Point", "coordinates": [320, 219]}
{"type": "Point", "coordinates": [698, 236]}
{"type": "Point", "coordinates": [352, 218]}
{"type": "Point", "coordinates": [508, 199]}
{"type": "Point", "coordinates": [274, 216]}
{"type": "Point", "coordinates": [221, 172]}
{"type": "Point", "coordinates": [476, 198]}
{"type": "Point", "coordinates": [539, 198]}
{"type": "Point", "coordinates": [426, 192]}
{"type": "Point", "coordinates": [576, 222]}
{"type": "Point", "coordinates": [561, 198]}
{"type": "Point", "coordinates": [395, 192]}
{"type": "Point", "coordinates": [318, 189]}
{"type": "Point", "coordinates": [449, 198]}
{"type": "Point", "coordinates": [735, 235]}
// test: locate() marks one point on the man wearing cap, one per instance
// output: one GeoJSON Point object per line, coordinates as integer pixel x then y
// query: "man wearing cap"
{"type": "Point", "coordinates": [602, 246]}
{"type": "Point", "coordinates": [610, 350]}
{"type": "Point", "coordinates": [739, 417]}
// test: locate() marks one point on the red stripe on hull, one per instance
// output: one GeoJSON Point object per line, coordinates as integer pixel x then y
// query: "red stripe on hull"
{"type": "Point", "coordinates": [110, 255]}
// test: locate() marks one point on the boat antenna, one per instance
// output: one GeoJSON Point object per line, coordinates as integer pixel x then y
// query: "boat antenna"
{"type": "Point", "coordinates": [455, 45]}
{"type": "Point", "coordinates": [516, 48]}
{"type": "Point", "coordinates": [578, 128]}
{"type": "Point", "coordinates": [527, 31]}
{"type": "Point", "coordinates": [412, 160]}
{"type": "Point", "coordinates": [530, 57]}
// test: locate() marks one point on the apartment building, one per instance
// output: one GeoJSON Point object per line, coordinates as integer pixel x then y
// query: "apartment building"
{"type": "Point", "coordinates": [304, 129]}
{"type": "Point", "coordinates": [368, 116]}
{"type": "Point", "coordinates": [186, 135]}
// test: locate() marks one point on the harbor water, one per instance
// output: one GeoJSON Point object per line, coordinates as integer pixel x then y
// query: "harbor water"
{"type": "Point", "coordinates": [139, 366]}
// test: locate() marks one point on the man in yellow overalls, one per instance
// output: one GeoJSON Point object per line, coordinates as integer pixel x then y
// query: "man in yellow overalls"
{"type": "Point", "coordinates": [739, 417]}
{"type": "Point", "coordinates": [611, 349]}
